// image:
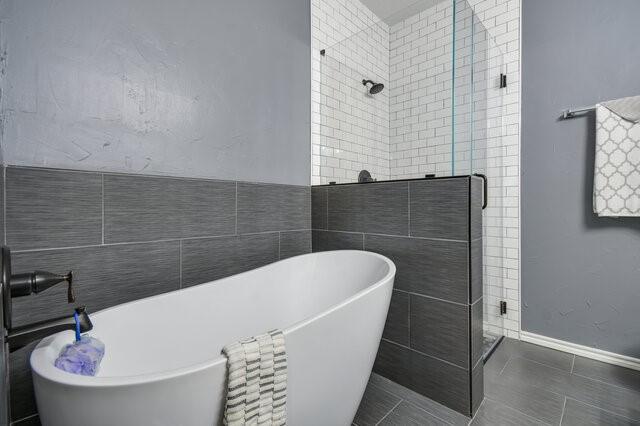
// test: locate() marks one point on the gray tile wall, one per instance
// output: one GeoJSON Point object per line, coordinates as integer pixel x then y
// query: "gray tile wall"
{"type": "Point", "coordinates": [432, 231]}
{"type": "Point", "coordinates": [131, 236]}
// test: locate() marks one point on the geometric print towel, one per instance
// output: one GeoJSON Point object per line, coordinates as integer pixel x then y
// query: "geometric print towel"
{"type": "Point", "coordinates": [616, 189]}
{"type": "Point", "coordinates": [256, 381]}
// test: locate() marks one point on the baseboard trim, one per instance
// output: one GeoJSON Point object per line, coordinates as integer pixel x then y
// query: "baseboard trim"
{"type": "Point", "coordinates": [585, 351]}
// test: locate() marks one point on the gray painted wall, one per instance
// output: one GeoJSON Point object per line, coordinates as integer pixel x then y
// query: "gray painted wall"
{"type": "Point", "coordinates": [200, 88]}
{"type": "Point", "coordinates": [580, 273]}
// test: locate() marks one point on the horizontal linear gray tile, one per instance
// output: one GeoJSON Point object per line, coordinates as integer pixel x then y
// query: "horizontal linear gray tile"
{"type": "Point", "coordinates": [476, 207]}
{"type": "Point", "coordinates": [450, 416]}
{"type": "Point", "coordinates": [2, 204]}
{"type": "Point", "coordinates": [376, 208]}
{"type": "Point", "coordinates": [609, 373]}
{"type": "Point", "coordinates": [579, 414]}
{"type": "Point", "coordinates": [477, 331]}
{"type": "Point", "coordinates": [396, 328]}
{"type": "Point", "coordinates": [435, 379]}
{"type": "Point", "coordinates": [103, 276]}
{"type": "Point", "coordinates": [407, 414]}
{"type": "Point", "coordinates": [621, 401]}
{"type": "Point", "coordinates": [143, 208]}
{"type": "Point", "coordinates": [23, 402]}
{"type": "Point", "coordinates": [331, 240]}
{"type": "Point", "coordinates": [440, 329]}
{"type": "Point", "coordinates": [439, 208]}
{"type": "Point", "coordinates": [493, 413]}
{"type": "Point", "coordinates": [475, 255]}
{"type": "Point", "coordinates": [52, 208]}
{"type": "Point", "coordinates": [520, 395]}
{"type": "Point", "coordinates": [375, 404]}
{"type": "Point", "coordinates": [477, 387]}
{"type": "Point", "coordinates": [318, 208]}
{"type": "Point", "coordinates": [542, 355]}
{"type": "Point", "coordinates": [269, 207]}
{"type": "Point", "coordinates": [209, 259]}
{"type": "Point", "coordinates": [429, 267]}
{"type": "Point", "coordinates": [294, 243]}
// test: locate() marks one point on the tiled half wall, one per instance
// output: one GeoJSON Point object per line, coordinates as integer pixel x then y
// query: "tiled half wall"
{"type": "Point", "coordinates": [130, 236]}
{"type": "Point", "coordinates": [432, 230]}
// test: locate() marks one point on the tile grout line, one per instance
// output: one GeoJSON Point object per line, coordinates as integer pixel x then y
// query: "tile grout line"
{"type": "Point", "coordinates": [433, 297]}
{"type": "Point", "coordinates": [425, 354]}
{"type": "Point", "coordinates": [393, 408]}
{"type": "Point", "coordinates": [600, 408]}
{"type": "Point", "coordinates": [573, 363]}
{"type": "Point", "coordinates": [30, 416]}
{"type": "Point", "coordinates": [564, 405]}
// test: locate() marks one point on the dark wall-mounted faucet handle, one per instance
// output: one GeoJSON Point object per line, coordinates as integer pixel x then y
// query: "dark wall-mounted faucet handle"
{"type": "Point", "coordinates": [39, 281]}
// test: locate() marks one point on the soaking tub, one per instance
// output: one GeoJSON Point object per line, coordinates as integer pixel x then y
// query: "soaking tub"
{"type": "Point", "coordinates": [163, 362]}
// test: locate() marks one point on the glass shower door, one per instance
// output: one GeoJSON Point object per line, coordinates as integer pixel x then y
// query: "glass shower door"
{"type": "Point", "coordinates": [477, 148]}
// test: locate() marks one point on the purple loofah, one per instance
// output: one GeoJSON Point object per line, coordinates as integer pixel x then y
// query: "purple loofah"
{"type": "Point", "coordinates": [81, 357]}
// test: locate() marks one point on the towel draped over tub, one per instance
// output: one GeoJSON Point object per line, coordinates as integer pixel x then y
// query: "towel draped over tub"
{"type": "Point", "coordinates": [256, 381]}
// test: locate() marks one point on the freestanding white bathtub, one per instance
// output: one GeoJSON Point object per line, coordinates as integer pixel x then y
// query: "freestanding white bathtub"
{"type": "Point", "coordinates": [163, 362]}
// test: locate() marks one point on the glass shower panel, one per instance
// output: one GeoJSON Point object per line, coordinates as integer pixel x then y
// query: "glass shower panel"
{"type": "Point", "coordinates": [477, 147]}
{"type": "Point", "coordinates": [351, 123]}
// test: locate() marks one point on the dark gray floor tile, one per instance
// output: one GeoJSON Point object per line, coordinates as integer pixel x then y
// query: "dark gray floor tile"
{"type": "Point", "coordinates": [440, 329]}
{"type": "Point", "coordinates": [209, 259]}
{"type": "Point", "coordinates": [493, 413]}
{"type": "Point", "coordinates": [476, 290]}
{"type": "Point", "coordinates": [438, 410]}
{"type": "Point", "coordinates": [381, 208]}
{"type": "Point", "coordinates": [579, 414]}
{"type": "Point", "coordinates": [476, 207]}
{"type": "Point", "coordinates": [294, 243]}
{"type": "Point", "coordinates": [144, 208]}
{"type": "Point", "coordinates": [376, 403]}
{"type": "Point", "coordinates": [396, 328]}
{"type": "Point", "coordinates": [477, 332]}
{"type": "Point", "coordinates": [618, 400]}
{"type": "Point", "coordinates": [520, 395]}
{"type": "Point", "coordinates": [406, 414]}
{"type": "Point", "coordinates": [102, 277]}
{"type": "Point", "coordinates": [29, 421]}
{"type": "Point", "coordinates": [319, 208]}
{"type": "Point", "coordinates": [331, 240]}
{"type": "Point", "coordinates": [432, 268]}
{"type": "Point", "coordinates": [440, 208]}
{"type": "Point", "coordinates": [609, 373]}
{"type": "Point", "coordinates": [438, 380]}
{"type": "Point", "coordinates": [52, 208]}
{"type": "Point", "coordinates": [546, 356]}
{"type": "Point", "coordinates": [500, 356]}
{"type": "Point", "coordinates": [268, 207]}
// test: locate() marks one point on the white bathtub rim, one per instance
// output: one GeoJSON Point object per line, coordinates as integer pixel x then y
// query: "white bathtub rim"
{"type": "Point", "coordinates": [47, 371]}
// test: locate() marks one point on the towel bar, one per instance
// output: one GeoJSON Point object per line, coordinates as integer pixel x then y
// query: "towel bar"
{"type": "Point", "coordinates": [570, 113]}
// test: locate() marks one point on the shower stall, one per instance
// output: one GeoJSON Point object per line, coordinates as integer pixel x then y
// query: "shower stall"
{"type": "Point", "coordinates": [436, 110]}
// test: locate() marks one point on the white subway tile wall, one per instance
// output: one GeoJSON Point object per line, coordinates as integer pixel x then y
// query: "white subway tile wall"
{"type": "Point", "coordinates": [348, 128]}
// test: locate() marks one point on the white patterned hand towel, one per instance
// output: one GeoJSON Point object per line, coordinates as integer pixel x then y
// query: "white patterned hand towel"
{"type": "Point", "coordinates": [256, 381]}
{"type": "Point", "coordinates": [616, 189]}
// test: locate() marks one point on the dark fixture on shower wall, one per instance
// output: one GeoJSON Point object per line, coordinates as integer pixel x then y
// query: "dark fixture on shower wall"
{"type": "Point", "coordinates": [375, 87]}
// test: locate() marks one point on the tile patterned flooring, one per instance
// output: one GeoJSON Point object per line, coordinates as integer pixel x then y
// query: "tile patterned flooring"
{"type": "Point", "coordinates": [525, 385]}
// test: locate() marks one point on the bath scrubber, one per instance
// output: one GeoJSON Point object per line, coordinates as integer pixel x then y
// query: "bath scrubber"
{"type": "Point", "coordinates": [81, 357]}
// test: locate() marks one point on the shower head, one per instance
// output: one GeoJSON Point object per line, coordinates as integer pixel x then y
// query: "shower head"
{"type": "Point", "coordinates": [375, 87]}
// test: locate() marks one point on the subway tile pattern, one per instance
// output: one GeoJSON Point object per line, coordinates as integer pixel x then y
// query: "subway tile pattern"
{"type": "Point", "coordinates": [425, 228]}
{"type": "Point", "coordinates": [131, 236]}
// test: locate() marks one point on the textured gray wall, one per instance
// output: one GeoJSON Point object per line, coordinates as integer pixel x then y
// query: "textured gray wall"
{"type": "Point", "coordinates": [201, 88]}
{"type": "Point", "coordinates": [580, 273]}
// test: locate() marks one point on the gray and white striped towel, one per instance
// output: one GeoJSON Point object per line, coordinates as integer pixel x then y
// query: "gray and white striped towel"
{"type": "Point", "coordinates": [256, 381]}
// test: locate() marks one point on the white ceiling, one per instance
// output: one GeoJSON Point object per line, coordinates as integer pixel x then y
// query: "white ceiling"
{"type": "Point", "coordinates": [394, 11]}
